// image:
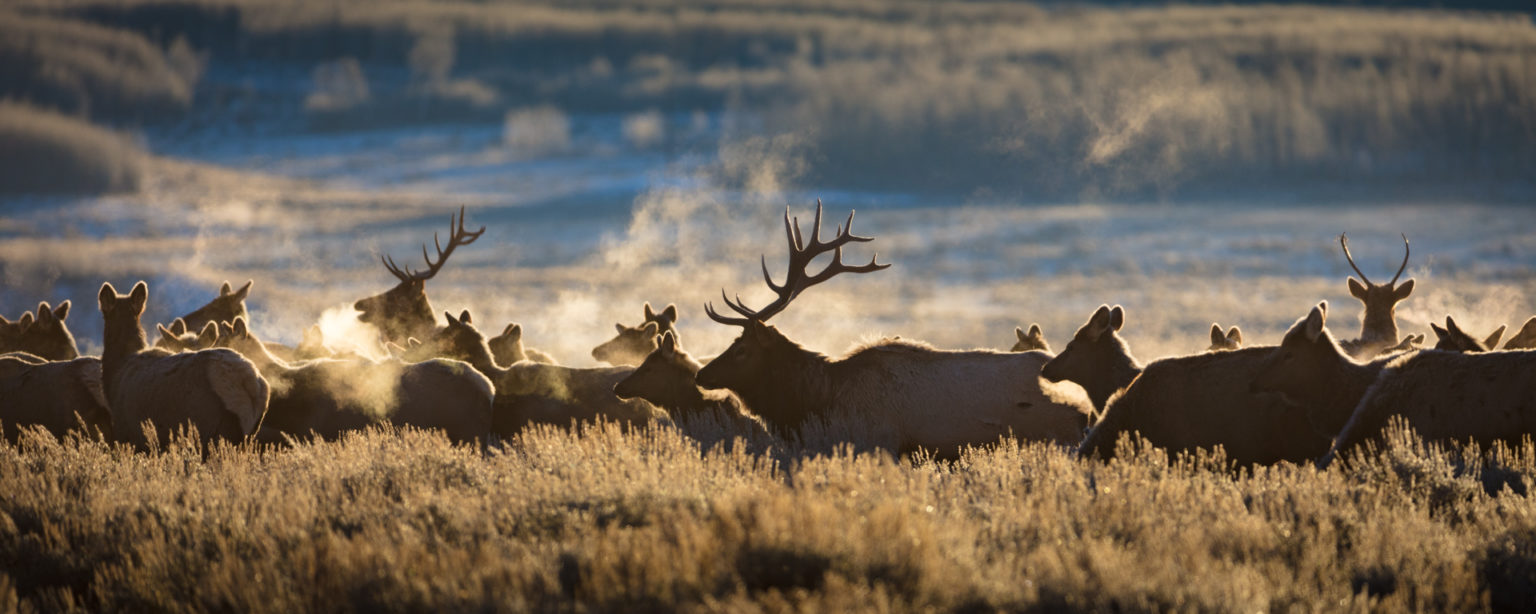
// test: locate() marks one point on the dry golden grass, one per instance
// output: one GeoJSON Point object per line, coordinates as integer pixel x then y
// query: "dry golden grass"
{"type": "Point", "coordinates": [608, 520]}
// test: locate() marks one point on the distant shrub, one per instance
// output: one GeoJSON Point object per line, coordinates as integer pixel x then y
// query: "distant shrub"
{"type": "Point", "coordinates": [91, 70]}
{"type": "Point", "coordinates": [46, 153]}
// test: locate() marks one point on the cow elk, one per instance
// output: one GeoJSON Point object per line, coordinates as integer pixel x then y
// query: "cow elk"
{"type": "Point", "coordinates": [1221, 342]}
{"type": "Point", "coordinates": [507, 347]}
{"type": "Point", "coordinates": [219, 392]}
{"type": "Point", "coordinates": [1029, 341]}
{"type": "Point", "coordinates": [634, 343]}
{"type": "Point", "coordinates": [403, 311]}
{"type": "Point", "coordinates": [1181, 403]}
{"type": "Point", "coordinates": [1525, 339]}
{"type": "Point", "coordinates": [45, 335]}
{"type": "Point", "coordinates": [914, 396]}
{"type": "Point", "coordinates": [1378, 327]}
{"type": "Point", "coordinates": [667, 378]}
{"type": "Point", "coordinates": [529, 392]}
{"type": "Point", "coordinates": [328, 397]}
{"type": "Point", "coordinates": [59, 396]}
{"type": "Point", "coordinates": [173, 341]}
{"type": "Point", "coordinates": [1453, 338]}
{"type": "Point", "coordinates": [228, 305]}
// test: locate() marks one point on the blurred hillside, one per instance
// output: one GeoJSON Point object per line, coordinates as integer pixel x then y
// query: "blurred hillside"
{"type": "Point", "coordinates": [1005, 101]}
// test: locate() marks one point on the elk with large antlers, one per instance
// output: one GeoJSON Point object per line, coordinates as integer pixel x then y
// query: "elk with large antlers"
{"type": "Point", "coordinates": [404, 312]}
{"type": "Point", "coordinates": [912, 395]}
{"type": "Point", "coordinates": [1378, 328]}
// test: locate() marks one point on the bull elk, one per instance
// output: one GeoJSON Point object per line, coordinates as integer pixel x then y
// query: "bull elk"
{"type": "Point", "coordinates": [1034, 339]}
{"type": "Point", "coordinates": [1453, 338]}
{"type": "Point", "coordinates": [634, 343]}
{"type": "Point", "coordinates": [1378, 327]}
{"type": "Point", "coordinates": [1180, 403]}
{"type": "Point", "coordinates": [216, 390]}
{"type": "Point", "coordinates": [403, 311]}
{"type": "Point", "coordinates": [918, 396]}
{"type": "Point", "coordinates": [44, 335]}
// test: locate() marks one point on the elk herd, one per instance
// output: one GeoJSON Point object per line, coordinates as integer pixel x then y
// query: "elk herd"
{"type": "Point", "coordinates": [1313, 397]}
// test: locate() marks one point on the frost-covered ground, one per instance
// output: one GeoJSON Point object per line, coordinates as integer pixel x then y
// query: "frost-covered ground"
{"type": "Point", "coordinates": [581, 233]}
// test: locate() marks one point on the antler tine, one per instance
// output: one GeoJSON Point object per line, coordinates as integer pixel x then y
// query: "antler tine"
{"type": "Point", "coordinates": [459, 235]}
{"type": "Point", "coordinates": [1344, 242]}
{"type": "Point", "coordinates": [1405, 262]}
{"type": "Point", "coordinates": [709, 309]}
{"type": "Point", "coordinates": [389, 263]}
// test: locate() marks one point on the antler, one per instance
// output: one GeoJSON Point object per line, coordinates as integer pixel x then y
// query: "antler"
{"type": "Point", "coordinates": [458, 236]}
{"type": "Point", "coordinates": [1344, 242]}
{"type": "Point", "coordinates": [795, 278]}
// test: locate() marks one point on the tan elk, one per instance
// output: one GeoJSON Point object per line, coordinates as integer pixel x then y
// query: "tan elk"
{"type": "Point", "coordinates": [634, 343]}
{"type": "Point", "coordinates": [915, 396]}
{"type": "Point", "coordinates": [530, 392]}
{"type": "Point", "coordinates": [403, 311]}
{"type": "Point", "coordinates": [1180, 403]}
{"type": "Point", "coordinates": [45, 335]}
{"type": "Point", "coordinates": [1034, 339]}
{"type": "Point", "coordinates": [228, 305]}
{"type": "Point", "coordinates": [1525, 339]}
{"type": "Point", "coordinates": [60, 396]}
{"type": "Point", "coordinates": [184, 341]}
{"type": "Point", "coordinates": [1378, 327]}
{"type": "Point", "coordinates": [1221, 342]}
{"type": "Point", "coordinates": [507, 347]}
{"type": "Point", "coordinates": [1453, 338]}
{"type": "Point", "coordinates": [216, 390]}
{"type": "Point", "coordinates": [329, 397]}
{"type": "Point", "coordinates": [667, 378]}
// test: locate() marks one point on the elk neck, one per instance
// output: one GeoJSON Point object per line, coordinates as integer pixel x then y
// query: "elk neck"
{"type": "Point", "coordinates": [796, 385]}
{"type": "Point", "coordinates": [121, 339]}
{"type": "Point", "coordinates": [1120, 370]}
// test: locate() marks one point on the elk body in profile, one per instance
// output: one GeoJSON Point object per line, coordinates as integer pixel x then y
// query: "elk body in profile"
{"type": "Point", "coordinates": [330, 397]}
{"type": "Point", "coordinates": [1180, 403]}
{"type": "Point", "coordinates": [1378, 327]}
{"type": "Point", "coordinates": [1222, 342]}
{"type": "Point", "coordinates": [216, 390]}
{"type": "Point", "coordinates": [44, 335]}
{"type": "Point", "coordinates": [1453, 338]}
{"type": "Point", "coordinates": [59, 395]}
{"type": "Point", "coordinates": [667, 378]}
{"type": "Point", "coordinates": [1032, 340]}
{"type": "Point", "coordinates": [634, 343]}
{"type": "Point", "coordinates": [530, 392]}
{"type": "Point", "coordinates": [403, 311]}
{"type": "Point", "coordinates": [916, 397]}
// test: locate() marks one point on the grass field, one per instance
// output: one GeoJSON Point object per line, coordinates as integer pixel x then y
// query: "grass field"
{"type": "Point", "coordinates": [605, 520]}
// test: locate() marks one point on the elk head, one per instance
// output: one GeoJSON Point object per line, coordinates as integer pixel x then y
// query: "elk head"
{"type": "Point", "coordinates": [403, 311]}
{"type": "Point", "coordinates": [1096, 357]}
{"type": "Point", "coordinates": [507, 347]}
{"type": "Point", "coordinates": [1453, 338]}
{"type": "Point", "coordinates": [1230, 340]}
{"type": "Point", "coordinates": [228, 305]}
{"type": "Point", "coordinates": [1378, 329]}
{"type": "Point", "coordinates": [760, 347]}
{"type": "Point", "coordinates": [48, 337]}
{"type": "Point", "coordinates": [121, 333]}
{"type": "Point", "coordinates": [667, 374]}
{"type": "Point", "coordinates": [1032, 340]}
{"type": "Point", "coordinates": [634, 343]}
{"type": "Point", "coordinates": [460, 340]}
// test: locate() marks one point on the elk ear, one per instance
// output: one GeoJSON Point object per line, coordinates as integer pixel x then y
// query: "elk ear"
{"type": "Point", "coordinates": [1493, 339]}
{"type": "Point", "coordinates": [244, 290]}
{"type": "Point", "coordinates": [464, 317]}
{"type": "Point", "coordinates": [26, 321]}
{"type": "Point", "coordinates": [451, 320]}
{"type": "Point", "coordinates": [138, 297]}
{"type": "Point", "coordinates": [670, 313]}
{"type": "Point", "coordinates": [179, 326]}
{"type": "Point", "coordinates": [225, 289]}
{"type": "Point", "coordinates": [515, 331]}
{"type": "Point", "coordinates": [668, 343]}
{"type": "Point", "coordinates": [1440, 333]}
{"type": "Point", "coordinates": [649, 314]}
{"type": "Point", "coordinates": [241, 330]}
{"type": "Point", "coordinates": [649, 329]}
{"type": "Point", "coordinates": [1450, 326]}
{"type": "Point", "coordinates": [619, 327]}
{"type": "Point", "coordinates": [1356, 289]}
{"type": "Point", "coordinates": [107, 297]}
{"type": "Point", "coordinates": [1098, 323]}
{"type": "Point", "coordinates": [1034, 331]}
{"type": "Point", "coordinates": [1019, 332]}
{"type": "Point", "coordinates": [1314, 324]}
{"type": "Point", "coordinates": [1403, 290]}
{"type": "Point", "coordinates": [62, 311]}
{"type": "Point", "coordinates": [45, 313]}
{"type": "Point", "coordinates": [226, 329]}
{"type": "Point", "coordinates": [1216, 337]}
{"type": "Point", "coordinates": [1235, 335]}
{"type": "Point", "coordinates": [1419, 339]}
{"type": "Point", "coordinates": [210, 333]}
{"type": "Point", "coordinates": [1116, 317]}
{"type": "Point", "coordinates": [165, 333]}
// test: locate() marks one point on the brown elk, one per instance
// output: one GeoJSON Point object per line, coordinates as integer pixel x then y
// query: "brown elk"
{"type": "Point", "coordinates": [634, 343]}
{"type": "Point", "coordinates": [1378, 327]}
{"type": "Point", "coordinates": [507, 347]}
{"type": "Point", "coordinates": [1221, 342]}
{"type": "Point", "coordinates": [329, 397]}
{"type": "Point", "coordinates": [225, 307]}
{"type": "Point", "coordinates": [403, 311]}
{"type": "Point", "coordinates": [1525, 339]}
{"type": "Point", "coordinates": [185, 341]}
{"type": "Point", "coordinates": [1180, 403]}
{"type": "Point", "coordinates": [1453, 338]}
{"type": "Point", "coordinates": [667, 378]}
{"type": "Point", "coordinates": [46, 335]}
{"type": "Point", "coordinates": [59, 395]}
{"type": "Point", "coordinates": [917, 396]}
{"type": "Point", "coordinates": [530, 392]}
{"type": "Point", "coordinates": [1030, 341]}
{"type": "Point", "coordinates": [216, 390]}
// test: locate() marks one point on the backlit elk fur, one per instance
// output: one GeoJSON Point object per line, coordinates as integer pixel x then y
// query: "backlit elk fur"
{"type": "Point", "coordinates": [60, 395]}
{"type": "Point", "coordinates": [217, 390]}
{"type": "Point", "coordinates": [1453, 338]}
{"type": "Point", "coordinates": [225, 307]}
{"type": "Point", "coordinates": [529, 392]}
{"type": "Point", "coordinates": [907, 395]}
{"type": "Point", "coordinates": [1221, 342]}
{"type": "Point", "coordinates": [634, 343]}
{"type": "Point", "coordinates": [44, 335]}
{"type": "Point", "coordinates": [1032, 340]}
{"type": "Point", "coordinates": [404, 312]}
{"type": "Point", "coordinates": [1181, 403]}
{"type": "Point", "coordinates": [1378, 328]}
{"type": "Point", "coordinates": [507, 347]}
{"type": "Point", "coordinates": [1525, 338]}
{"type": "Point", "coordinates": [327, 397]}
